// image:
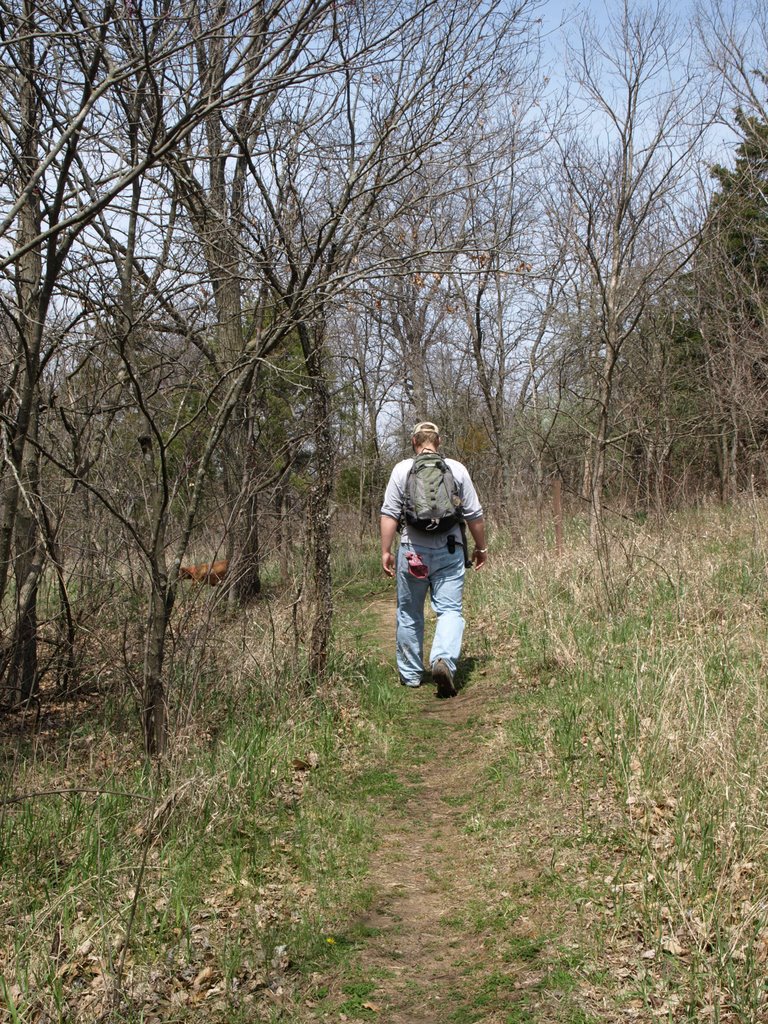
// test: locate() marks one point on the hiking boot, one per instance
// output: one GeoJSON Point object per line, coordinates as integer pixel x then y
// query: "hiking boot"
{"type": "Point", "coordinates": [412, 684]}
{"type": "Point", "coordinates": [443, 678]}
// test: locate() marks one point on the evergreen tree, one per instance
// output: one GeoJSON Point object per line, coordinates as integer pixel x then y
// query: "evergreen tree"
{"type": "Point", "coordinates": [740, 207]}
{"type": "Point", "coordinates": [731, 289]}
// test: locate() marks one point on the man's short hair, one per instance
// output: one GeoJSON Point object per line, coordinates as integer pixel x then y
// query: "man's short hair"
{"type": "Point", "coordinates": [425, 433]}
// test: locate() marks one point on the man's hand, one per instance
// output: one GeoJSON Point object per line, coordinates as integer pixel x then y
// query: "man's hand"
{"type": "Point", "coordinates": [480, 557]}
{"type": "Point", "coordinates": [480, 554]}
{"type": "Point", "coordinates": [388, 529]}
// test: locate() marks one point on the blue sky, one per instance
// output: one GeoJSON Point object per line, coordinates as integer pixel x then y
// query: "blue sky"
{"type": "Point", "coordinates": [560, 15]}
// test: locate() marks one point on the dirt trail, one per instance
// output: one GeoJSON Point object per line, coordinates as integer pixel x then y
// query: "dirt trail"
{"type": "Point", "coordinates": [428, 866]}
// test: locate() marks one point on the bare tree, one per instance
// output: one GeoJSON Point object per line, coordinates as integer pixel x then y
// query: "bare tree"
{"type": "Point", "coordinates": [336, 157]}
{"type": "Point", "coordinates": [72, 79]}
{"type": "Point", "coordinates": [502, 282]}
{"type": "Point", "coordinates": [733, 38]}
{"type": "Point", "coordinates": [191, 194]}
{"type": "Point", "coordinates": [623, 179]}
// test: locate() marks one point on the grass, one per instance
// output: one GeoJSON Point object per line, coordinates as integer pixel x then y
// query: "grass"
{"type": "Point", "coordinates": [219, 874]}
{"type": "Point", "coordinates": [622, 812]}
{"type": "Point", "coordinates": [649, 710]}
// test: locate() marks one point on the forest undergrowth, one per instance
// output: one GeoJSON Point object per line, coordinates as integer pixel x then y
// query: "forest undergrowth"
{"type": "Point", "coordinates": [608, 794]}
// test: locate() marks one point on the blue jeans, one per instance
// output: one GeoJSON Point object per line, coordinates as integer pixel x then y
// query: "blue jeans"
{"type": "Point", "coordinates": [446, 583]}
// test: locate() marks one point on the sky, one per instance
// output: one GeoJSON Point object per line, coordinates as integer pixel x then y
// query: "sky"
{"type": "Point", "coordinates": [561, 16]}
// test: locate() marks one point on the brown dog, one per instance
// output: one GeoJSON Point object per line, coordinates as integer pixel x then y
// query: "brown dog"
{"type": "Point", "coordinates": [211, 573]}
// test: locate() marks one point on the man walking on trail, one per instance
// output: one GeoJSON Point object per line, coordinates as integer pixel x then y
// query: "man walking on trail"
{"type": "Point", "coordinates": [429, 498]}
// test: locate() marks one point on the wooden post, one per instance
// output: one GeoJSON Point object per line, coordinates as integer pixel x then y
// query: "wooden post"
{"type": "Point", "coordinates": [557, 504]}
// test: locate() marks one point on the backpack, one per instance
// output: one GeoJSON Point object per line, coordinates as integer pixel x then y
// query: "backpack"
{"type": "Point", "coordinates": [432, 501]}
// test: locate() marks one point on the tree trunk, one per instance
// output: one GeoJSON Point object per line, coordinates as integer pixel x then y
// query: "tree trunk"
{"type": "Point", "coordinates": [247, 562]}
{"type": "Point", "coordinates": [21, 498]}
{"type": "Point", "coordinates": [320, 502]}
{"type": "Point", "coordinates": [155, 710]}
{"type": "Point", "coordinates": [600, 446]}
{"type": "Point", "coordinates": [28, 567]}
